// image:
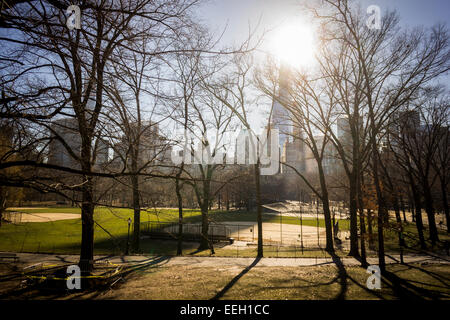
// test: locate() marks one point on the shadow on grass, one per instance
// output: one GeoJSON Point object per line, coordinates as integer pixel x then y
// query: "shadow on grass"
{"type": "Point", "coordinates": [92, 288]}
{"type": "Point", "coordinates": [407, 289]}
{"type": "Point", "coordinates": [140, 268]}
{"type": "Point", "coordinates": [342, 276]}
{"type": "Point", "coordinates": [235, 280]}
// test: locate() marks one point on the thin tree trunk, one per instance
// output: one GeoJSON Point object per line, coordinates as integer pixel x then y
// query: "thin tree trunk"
{"type": "Point", "coordinates": [418, 214]}
{"type": "Point", "coordinates": [204, 243]}
{"type": "Point", "coordinates": [370, 229]}
{"type": "Point", "coordinates": [412, 208]}
{"type": "Point", "coordinates": [362, 225]}
{"type": "Point", "coordinates": [87, 228]}
{"type": "Point", "coordinates": [401, 240]}
{"type": "Point", "coordinates": [381, 259]}
{"type": "Point", "coordinates": [260, 250]}
{"type": "Point", "coordinates": [180, 216]}
{"type": "Point", "coordinates": [446, 206]}
{"type": "Point", "coordinates": [402, 203]}
{"type": "Point", "coordinates": [86, 262]}
{"type": "Point", "coordinates": [354, 251]}
{"type": "Point", "coordinates": [382, 212]}
{"type": "Point", "coordinates": [137, 214]}
{"type": "Point", "coordinates": [429, 208]}
{"type": "Point", "coordinates": [326, 211]}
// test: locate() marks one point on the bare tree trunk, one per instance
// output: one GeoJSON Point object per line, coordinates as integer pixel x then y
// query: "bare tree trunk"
{"type": "Point", "coordinates": [401, 240]}
{"type": "Point", "coordinates": [362, 224]}
{"type": "Point", "coordinates": [326, 210]}
{"type": "Point", "coordinates": [260, 250]}
{"type": "Point", "coordinates": [430, 214]}
{"type": "Point", "coordinates": [204, 202]}
{"type": "Point", "coordinates": [137, 213]}
{"type": "Point", "coordinates": [381, 258]}
{"type": "Point", "coordinates": [418, 214]}
{"type": "Point", "coordinates": [180, 215]}
{"type": "Point", "coordinates": [204, 243]}
{"type": "Point", "coordinates": [446, 206]}
{"type": "Point", "coordinates": [354, 251]}
{"type": "Point", "coordinates": [380, 199]}
{"type": "Point", "coordinates": [402, 204]}
{"type": "Point", "coordinates": [370, 229]}
{"type": "Point", "coordinates": [412, 208]}
{"type": "Point", "coordinates": [86, 262]}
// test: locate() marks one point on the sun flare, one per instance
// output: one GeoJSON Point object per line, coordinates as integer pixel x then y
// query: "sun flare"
{"type": "Point", "coordinates": [293, 45]}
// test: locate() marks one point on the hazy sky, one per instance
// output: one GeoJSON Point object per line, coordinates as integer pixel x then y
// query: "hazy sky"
{"type": "Point", "coordinates": [238, 13]}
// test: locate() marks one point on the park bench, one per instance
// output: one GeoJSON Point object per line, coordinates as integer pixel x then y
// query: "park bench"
{"type": "Point", "coordinates": [8, 256]}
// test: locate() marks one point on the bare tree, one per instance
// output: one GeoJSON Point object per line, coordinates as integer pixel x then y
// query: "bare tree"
{"type": "Point", "coordinates": [441, 161]}
{"type": "Point", "coordinates": [233, 90]}
{"type": "Point", "coordinates": [135, 137]}
{"type": "Point", "coordinates": [416, 146]}
{"type": "Point", "coordinates": [75, 63]}
{"type": "Point", "coordinates": [392, 65]}
{"type": "Point", "coordinates": [309, 103]}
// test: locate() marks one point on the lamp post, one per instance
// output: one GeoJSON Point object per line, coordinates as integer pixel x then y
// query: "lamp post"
{"type": "Point", "coordinates": [128, 237]}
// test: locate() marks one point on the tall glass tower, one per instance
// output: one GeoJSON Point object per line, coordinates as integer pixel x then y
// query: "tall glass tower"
{"type": "Point", "coordinates": [281, 119]}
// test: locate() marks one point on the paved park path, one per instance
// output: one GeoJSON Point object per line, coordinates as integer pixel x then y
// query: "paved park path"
{"type": "Point", "coordinates": [27, 259]}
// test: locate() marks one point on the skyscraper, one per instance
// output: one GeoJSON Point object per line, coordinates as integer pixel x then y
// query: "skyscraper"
{"type": "Point", "coordinates": [280, 115]}
{"type": "Point", "coordinates": [292, 147]}
{"type": "Point", "coordinates": [66, 130]}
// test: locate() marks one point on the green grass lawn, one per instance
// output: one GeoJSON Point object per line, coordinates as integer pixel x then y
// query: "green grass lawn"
{"type": "Point", "coordinates": [412, 239]}
{"type": "Point", "coordinates": [64, 236]}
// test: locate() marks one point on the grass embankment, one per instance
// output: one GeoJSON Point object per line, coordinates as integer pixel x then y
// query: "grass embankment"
{"type": "Point", "coordinates": [64, 236]}
{"type": "Point", "coordinates": [414, 281]}
{"type": "Point", "coordinates": [411, 238]}
{"type": "Point", "coordinates": [274, 283]}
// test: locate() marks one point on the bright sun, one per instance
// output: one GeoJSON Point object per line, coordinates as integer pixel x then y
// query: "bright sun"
{"type": "Point", "coordinates": [293, 45]}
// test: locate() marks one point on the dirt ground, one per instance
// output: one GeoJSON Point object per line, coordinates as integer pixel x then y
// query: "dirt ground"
{"type": "Point", "coordinates": [285, 234]}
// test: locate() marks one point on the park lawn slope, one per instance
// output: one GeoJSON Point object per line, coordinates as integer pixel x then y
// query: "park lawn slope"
{"type": "Point", "coordinates": [64, 236]}
{"type": "Point", "coordinates": [428, 282]}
